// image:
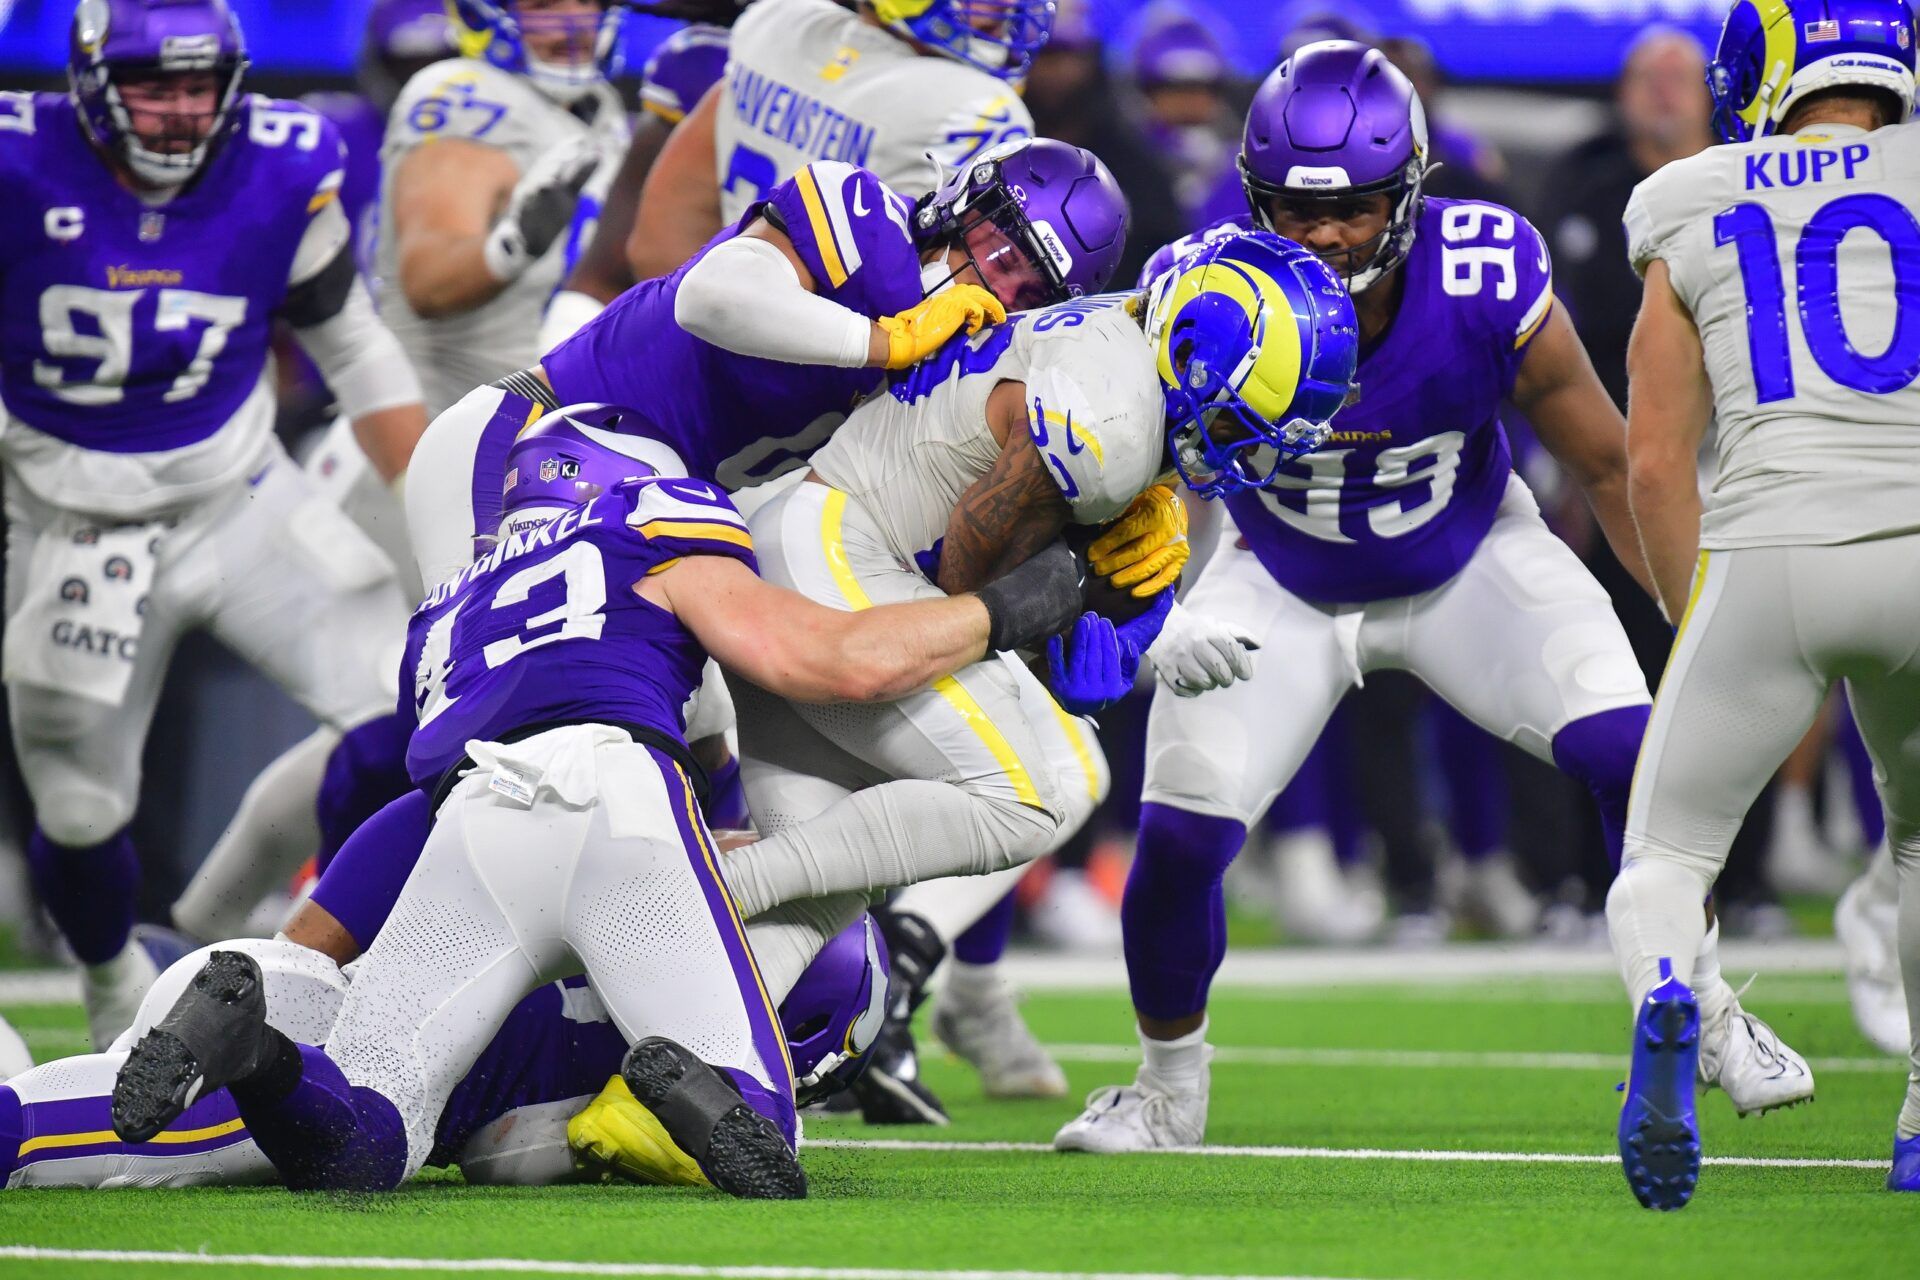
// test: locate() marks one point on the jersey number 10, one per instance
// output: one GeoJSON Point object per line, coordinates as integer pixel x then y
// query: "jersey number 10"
{"type": "Point", "coordinates": [1816, 280]}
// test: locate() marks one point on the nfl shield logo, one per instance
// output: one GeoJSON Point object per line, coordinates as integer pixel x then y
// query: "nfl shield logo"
{"type": "Point", "coordinates": [1900, 34]}
{"type": "Point", "coordinates": [549, 470]}
{"type": "Point", "coordinates": [152, 225]}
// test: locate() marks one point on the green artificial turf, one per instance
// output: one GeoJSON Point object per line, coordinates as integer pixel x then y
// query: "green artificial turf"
{"type": "Point", "coordinates": [1217, 1215]}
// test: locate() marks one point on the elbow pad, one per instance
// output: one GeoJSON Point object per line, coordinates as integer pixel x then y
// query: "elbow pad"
{"type": "Point", "coordinates": [744, 296]}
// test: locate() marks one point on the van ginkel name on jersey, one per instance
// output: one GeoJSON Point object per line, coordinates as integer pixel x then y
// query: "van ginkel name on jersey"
{"type": "Point", "coordinates": [802, 122]}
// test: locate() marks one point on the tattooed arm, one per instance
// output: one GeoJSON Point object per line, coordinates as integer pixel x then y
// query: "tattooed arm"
{"type": "Point", "coordinates": [1009, 513]}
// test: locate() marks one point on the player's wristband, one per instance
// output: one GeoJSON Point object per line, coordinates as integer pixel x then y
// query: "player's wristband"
{"type": "Point", "coordinates": [1038, 599]}
{"type": "Point", "coordinates": [505, 252]}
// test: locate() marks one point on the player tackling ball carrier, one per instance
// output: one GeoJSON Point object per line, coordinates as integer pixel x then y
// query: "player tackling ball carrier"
{"type": "Point", "coordinates": [1781, 272]}
{"type": "Point", "coordinates": [548, 682]}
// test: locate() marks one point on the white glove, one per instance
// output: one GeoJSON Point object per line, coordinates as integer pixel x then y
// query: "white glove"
{"type": "Point", "coordinates": [540, 209]}
{"type": "Point", "coordinates": [1197, 652]}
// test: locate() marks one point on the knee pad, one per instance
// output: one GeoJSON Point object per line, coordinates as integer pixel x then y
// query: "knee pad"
{"type": "Point", "coordinates": [366, 771]}
{"type": "Point", "coordinates": [1601, 750]}
{"type": "Point", "coordinates": [75, 812]}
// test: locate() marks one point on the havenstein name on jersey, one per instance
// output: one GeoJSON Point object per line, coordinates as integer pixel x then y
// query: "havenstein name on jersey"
{"type": "Point", "coordinates": [797, 119]}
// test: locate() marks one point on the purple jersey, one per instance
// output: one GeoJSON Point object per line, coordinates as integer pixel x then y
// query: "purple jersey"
{"type": "Point", "coordinates": [362, 126]}
{"type": "Point", "coordinates": [739, 419]}
{"type": "Point", "coordinates": [681, 70]}
{"type": "Point", "coordinates": [547, 626]}
{"type": "Point", "coordinates": [1408, 484]}
{"type": "Point", "coordinates": [132, 328]}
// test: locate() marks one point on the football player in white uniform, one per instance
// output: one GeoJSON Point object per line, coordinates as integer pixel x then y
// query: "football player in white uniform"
{"type": "Point", "coordinates": [141, 273]}
{"type": "Point", "coordinates": [1061, 416]}
{"type": "Point", "coordinates": [884, 85]}
{"type": "Point", "coordinates": [471, 227]}
{"type": "Point", "coordinates": [1780, 269]}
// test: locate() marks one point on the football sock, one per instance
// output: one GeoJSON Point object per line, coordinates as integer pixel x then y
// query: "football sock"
{"type": "Point", "coordinates": [321, 1133]}
{"type": "Point", "coordinates": [1653, 914]}
{"type": "Point", "coordinates": [967, 981]}
{"type": "Point", "coordinates": [1476, 783]}
{"type": "Point", "coordinates": [986, 941]}
{"type": "Point", "coordinates": [1173, 916]}
{"type": "Point", "coordinates": [88, 891]}
{"type": "Point", "coordinates": [1180, 1064]}
{"type": "Point", "coordinates": [775, 1105]}
{"type": "Point", "coordinates": [1600, 751]}
{"type": "Point", "coordinates": [1709, 987]}
{"type": "Point", "coordinates": [272, 832]}
{"type": "Point", "coordinates": [726, 802]}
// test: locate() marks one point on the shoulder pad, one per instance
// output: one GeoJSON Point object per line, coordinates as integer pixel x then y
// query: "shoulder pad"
{"type": "Point", "coordinates": [1095, 412]}
{"type": "Point", "coordinates": [681, 516]}
{"type": "Point", "coordinates": [841, 218]}
{"type": "Point", "coordinates": [459, 98]}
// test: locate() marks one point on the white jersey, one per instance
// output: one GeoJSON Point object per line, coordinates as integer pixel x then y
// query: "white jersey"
{"type": "Point", "coordinates": [808, 80]}
{"type": "Point", "coordinates": [478, 102]}
{"type": "Point", "coordinates": [1798, 258]}
{"type": "Point", "coordinates": [1094, 410]}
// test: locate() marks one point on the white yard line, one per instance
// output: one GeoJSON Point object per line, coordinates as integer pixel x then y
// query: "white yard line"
{"type": "Point", "coordinates": [1344, 1153]}
{"type": "Point", "coordinates": [1279, 967]}
{"type": "Point", "coordinates": [541, 1266]}
{"type": "Point", "coordinates": [1427, 1060]}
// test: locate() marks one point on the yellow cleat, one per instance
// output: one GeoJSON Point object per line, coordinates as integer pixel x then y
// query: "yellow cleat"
{"type": "Point", "coordinates": [617, 1137]}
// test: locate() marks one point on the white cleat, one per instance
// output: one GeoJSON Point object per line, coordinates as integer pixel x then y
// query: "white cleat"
{"type": "Point", "coordinates": [1147, 1115]}
{"type": "Point", "coordinates": [1072, 915]}
{"type": "Point", "coordinates": [112, 992]}
{"type": "Point", "coordinates": [1866, 925]}
{"type": "Point", "coordinates": [1313, 901]}
{"type": "Point", "coordinates": [1743, 1057]}
{"type": "Point", "coordinates": [979, 1021]}
{"type": "Point", "coordinates": [1490, 893]}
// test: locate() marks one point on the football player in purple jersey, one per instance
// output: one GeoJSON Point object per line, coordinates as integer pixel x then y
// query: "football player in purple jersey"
{"type": "Point", "coordinates": [548, 681]}
{"type": "Point", "coordinates": [1406, 543]}
{"type": "Point", "coordinates": [525, 1115]}
{"type": "Point", "coordinates": [162, 220]}
{"type": "Point", "coordinates": [747, 358]}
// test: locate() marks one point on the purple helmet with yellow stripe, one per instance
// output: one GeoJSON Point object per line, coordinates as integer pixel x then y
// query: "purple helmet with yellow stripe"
{"type": "Point", "coordinates": [1773, 53]}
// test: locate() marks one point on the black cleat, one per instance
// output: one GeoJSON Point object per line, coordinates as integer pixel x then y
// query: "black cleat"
{"type": "Point", "coordinates": [889, 1090]}
{"type": "Point", "coordinates": [741, 1151]}
{"type": "Point", "coordinates": [215, 1034]}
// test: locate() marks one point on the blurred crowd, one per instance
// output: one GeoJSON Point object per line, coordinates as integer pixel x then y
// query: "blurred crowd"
{"type": "Point", "coordinates": [1407, 825]}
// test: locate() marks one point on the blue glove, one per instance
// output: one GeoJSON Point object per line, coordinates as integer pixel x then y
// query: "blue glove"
{"type": "Point", "coordinates": [1137, 635]}
{"type": "Point", "coordinates": [1084, 670]}
{"type": "Point", "coordinates": [928, 561]}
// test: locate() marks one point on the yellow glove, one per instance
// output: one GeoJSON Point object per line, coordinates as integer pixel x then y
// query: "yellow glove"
{"type": "Point", "coordinates": [919, 331]}
{"type": "Point", "coordinates": [1145, 549]}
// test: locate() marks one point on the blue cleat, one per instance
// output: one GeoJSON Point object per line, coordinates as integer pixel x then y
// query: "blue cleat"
{"type": "Point", "coordinates": [1905, 1174]}
{"type": "Point", "coordinates": [1659, 1137]}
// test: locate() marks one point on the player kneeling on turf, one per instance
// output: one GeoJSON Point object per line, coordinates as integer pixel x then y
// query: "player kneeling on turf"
{"type": "Point", "coordinates": [548, 679]}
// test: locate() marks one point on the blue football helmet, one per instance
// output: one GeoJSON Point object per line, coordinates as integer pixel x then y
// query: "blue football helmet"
{"type": "Point", "coordinates": [116, 40]}
{"type": "Point", "coordinates": [1772, 53]}
{"type": "Point", "coordinates": [1256, 343]}
{"type": "Point", "coordinates": [999, 37]}
{"type": "Point", "coordinates": [496, 31]}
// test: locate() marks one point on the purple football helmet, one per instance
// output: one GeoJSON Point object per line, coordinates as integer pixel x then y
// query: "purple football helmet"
{"type": "Point", "coordinates": [574, 454]}
{"type": "Point", "coordinates": [1338, 121]}
{"type": "Point", "coordinates": [402, 37]}
{"type": "Point", "coordinates": [1041, 221]}
{"type": "Point", "coordinates": [833, 1014]}
{"type": "Point", "coordinates": [113, 42]}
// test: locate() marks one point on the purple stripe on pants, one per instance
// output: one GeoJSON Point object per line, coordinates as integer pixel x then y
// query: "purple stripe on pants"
{"type": "Point", "coordinates": [768, 1039]}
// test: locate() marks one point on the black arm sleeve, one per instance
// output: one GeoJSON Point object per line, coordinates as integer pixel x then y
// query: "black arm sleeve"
{"type": "Point", "coordinates": [320, 298]}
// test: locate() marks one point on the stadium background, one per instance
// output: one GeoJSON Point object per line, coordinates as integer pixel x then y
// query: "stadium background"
{"type": "Point", "coordinates": [1531, 106]}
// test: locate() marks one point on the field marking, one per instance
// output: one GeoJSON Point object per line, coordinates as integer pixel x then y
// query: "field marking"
{"type": "Point", "coordinates": [1344, 1153]}
{"type": "Point", "coordinates": [1427, 1059]}
{"type": "Point", "coordinates": [556, 1267]}
{"type": "Point", "coordinates": [1271, 967]}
